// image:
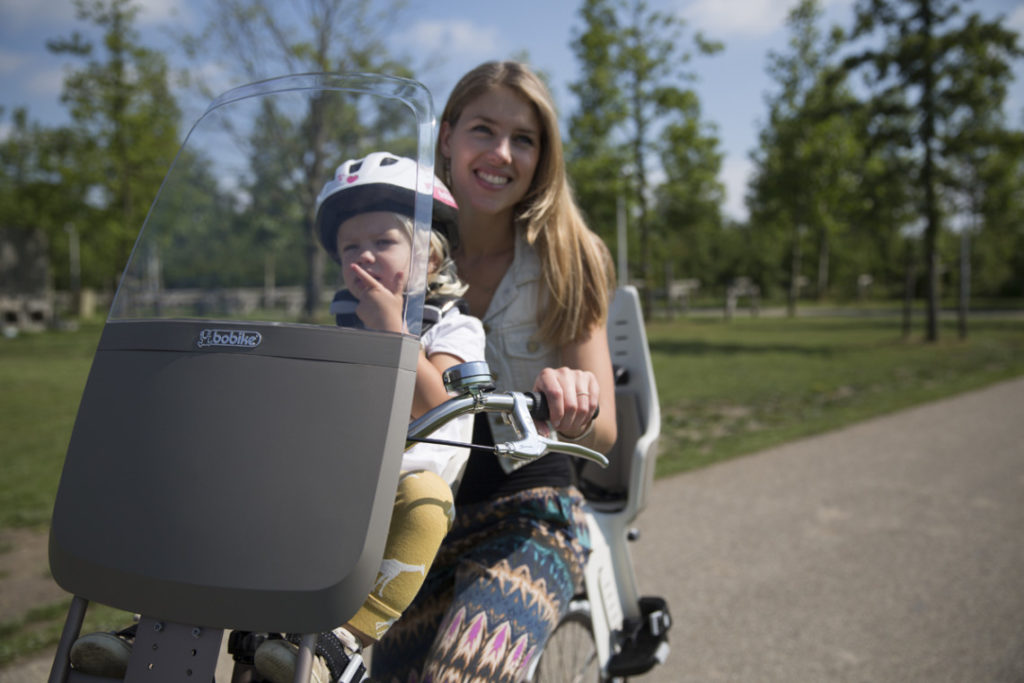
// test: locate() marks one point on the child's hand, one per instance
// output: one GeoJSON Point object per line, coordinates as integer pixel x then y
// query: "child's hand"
{"type": "Point", "coordinates": [380, 306]}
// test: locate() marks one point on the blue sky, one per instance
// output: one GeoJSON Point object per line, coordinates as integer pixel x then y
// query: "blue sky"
{"type": "Point", "coordinates": [731, 85]}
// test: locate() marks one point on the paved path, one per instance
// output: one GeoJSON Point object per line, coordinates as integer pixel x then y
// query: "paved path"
{"type": "Point", "coordinates": [892, 550]}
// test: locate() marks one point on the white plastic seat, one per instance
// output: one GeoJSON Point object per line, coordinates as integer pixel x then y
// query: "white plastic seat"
{"type": "Point", "coordinates": [624, 485]}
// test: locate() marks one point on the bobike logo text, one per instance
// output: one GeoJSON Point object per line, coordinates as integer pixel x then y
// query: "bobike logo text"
{"type": "Point", "coordinates": [243, 339]}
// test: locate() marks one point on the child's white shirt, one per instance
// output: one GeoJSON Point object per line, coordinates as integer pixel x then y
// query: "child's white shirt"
{"type": "Point", "coordinates": [461, 336]}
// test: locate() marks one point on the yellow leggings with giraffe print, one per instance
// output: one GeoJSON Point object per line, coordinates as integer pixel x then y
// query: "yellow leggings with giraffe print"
{"type": "Point", "coordinates": [422, 516]}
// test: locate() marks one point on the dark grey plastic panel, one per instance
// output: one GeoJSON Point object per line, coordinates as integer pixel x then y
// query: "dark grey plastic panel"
{"type": "Point", "coordinates": [233, 487]}
{"type": "Point", "coordinates": [168, 652]}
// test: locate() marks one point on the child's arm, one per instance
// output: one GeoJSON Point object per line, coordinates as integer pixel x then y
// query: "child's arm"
{"type": "Point", "coordinates": [456, 338]}
{"type": "Point", "coordinates": [430, 391]}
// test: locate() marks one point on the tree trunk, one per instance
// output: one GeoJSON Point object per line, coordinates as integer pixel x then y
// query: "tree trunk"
{"type": "Point", "coordinates": [313, 181]}
{"type": "Point", "coordinates": [965, 281]}
{"type": "Point", "coordinates": [670, 305]}
{"type": "Point", "coordinates": [910, 276]}
{"type": "Point", "coordinates": [645, 238]}
{"type": "Point", "coordinates": [823, 263]}
{"type": "Point", "coordinates": [269, 279]}
{"type": "Point", "coordinates": [314, 277]}
{"type": "Point", "coordinates": [794, 274]}
{"type": "Point", "coordinates": [931, 208]}
{"type": "Point", "coordinates": [640, 170]}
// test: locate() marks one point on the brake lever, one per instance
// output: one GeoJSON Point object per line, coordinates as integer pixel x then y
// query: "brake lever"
{"type": "Point", "coordinates": [532, 445]}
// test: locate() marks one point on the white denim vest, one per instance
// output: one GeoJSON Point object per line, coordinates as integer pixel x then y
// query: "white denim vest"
{"type": "Point", "coordinates": [514, 353]}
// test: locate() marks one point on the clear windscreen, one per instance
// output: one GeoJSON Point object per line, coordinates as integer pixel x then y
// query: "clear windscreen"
{"type": "Point", "coordinates": [233, 232]}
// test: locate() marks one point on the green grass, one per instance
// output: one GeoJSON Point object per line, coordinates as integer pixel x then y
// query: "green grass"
{"type": "Point", "coordinates": [730, 388]}
{"type": "Point", "coordinates": [42, 376]}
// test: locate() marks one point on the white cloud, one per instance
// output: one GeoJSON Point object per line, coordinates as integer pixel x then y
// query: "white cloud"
{"type": "Point", "coordinates": [46, 83]}
{"type": "Point", "coordinates": [735, 175]}
{"type": "Point", "coordinates": [1015, 21]}
{"type": "Point", "coordinates": [162, 11]}
{"type": "Point", "coordinates": [729, 18]}
{"type": "Point", "coordinates": [213, 75]}
{"type": "Point", "coordinates": [456, 39]}
{"type": "Point", "coordinates": [11, 62]}
{"type": "Point", "coordinates": [19, 15]}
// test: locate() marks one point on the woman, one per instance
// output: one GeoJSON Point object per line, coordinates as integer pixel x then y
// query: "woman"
{"type": "Point", "coordinates": [541, 281]}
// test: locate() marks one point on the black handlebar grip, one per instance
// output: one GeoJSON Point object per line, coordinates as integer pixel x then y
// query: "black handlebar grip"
{"type": "Point", "coordinates": [539, 411]}
{"type": "Point", "coordinates": [540, 406]}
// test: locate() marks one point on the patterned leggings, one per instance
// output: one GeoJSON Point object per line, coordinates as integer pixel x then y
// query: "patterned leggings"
{"type": "Point", "coordinates": [501, 582]}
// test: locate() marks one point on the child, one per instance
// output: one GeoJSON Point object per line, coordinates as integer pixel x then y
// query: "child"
{"type": "Point", "coordinates": [364, 221]}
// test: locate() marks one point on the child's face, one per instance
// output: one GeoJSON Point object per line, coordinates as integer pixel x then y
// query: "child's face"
{"type": "Point", "coordinates": [379, 244]}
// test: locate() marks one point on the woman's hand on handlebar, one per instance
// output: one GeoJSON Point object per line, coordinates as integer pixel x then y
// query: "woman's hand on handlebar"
{"type": "Point", "coordinates": [573, 397]}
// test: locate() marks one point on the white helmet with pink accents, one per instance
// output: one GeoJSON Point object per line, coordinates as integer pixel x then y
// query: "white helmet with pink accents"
{"type": "Point", "coordinates": [380, 181]}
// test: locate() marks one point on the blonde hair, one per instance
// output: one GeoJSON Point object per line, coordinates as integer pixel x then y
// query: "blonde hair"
{"type": "Point", "coordinates": [442, 278]}
{"type": "Point", "coordinates": [575, 263]}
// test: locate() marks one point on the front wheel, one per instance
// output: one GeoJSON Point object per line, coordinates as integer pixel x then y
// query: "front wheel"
{"type": "Point", "coordinates": [571, 653]}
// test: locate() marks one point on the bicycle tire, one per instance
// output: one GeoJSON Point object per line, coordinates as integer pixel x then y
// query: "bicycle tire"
{"type": "Point", "coordinates": [570, 655]}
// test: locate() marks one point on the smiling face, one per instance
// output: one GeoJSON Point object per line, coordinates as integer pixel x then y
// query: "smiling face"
{"type": "Point", "coordinates": [378, 243]}
{"type": "Point", "coordinates": [493, 148]}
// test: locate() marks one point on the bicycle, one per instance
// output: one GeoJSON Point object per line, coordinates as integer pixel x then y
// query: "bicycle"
{"type": "Point", "coordinates": [206, 377]}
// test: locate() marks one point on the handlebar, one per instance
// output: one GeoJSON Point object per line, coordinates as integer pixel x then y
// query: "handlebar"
{"type": "Point", "coordinates": [477, 395]}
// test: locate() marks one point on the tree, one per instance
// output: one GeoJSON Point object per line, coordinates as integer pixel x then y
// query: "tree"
{"type": "Point", "coordinates": [981, 163]}
{"type": "Point", "coordinates": [32, 159]}
{"type": "Point", "coordinates": [123, 135]}
{"type": "Point", "coordinates": [597, 162]}
{"type": "Point", "coordinates": [258, 40]}
{"type": "Point", "coordinates": [998, 244]}
{"type": "Point", "coordinates": [939, 76]}
{"type": "Point", "coordinates": [806, 186]}
{"type": "Point", "coordinates": [883, 221]}
{"type": "Point", "coordinates": [689, 201]}
{"type": "Point", "coordinates": [634, 82]}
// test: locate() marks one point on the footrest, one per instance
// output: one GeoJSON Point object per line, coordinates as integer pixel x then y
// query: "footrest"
{"type": "Point", "coordinates": [242, 645]}
{"type": "Point", "coordinates": [647, 644]}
